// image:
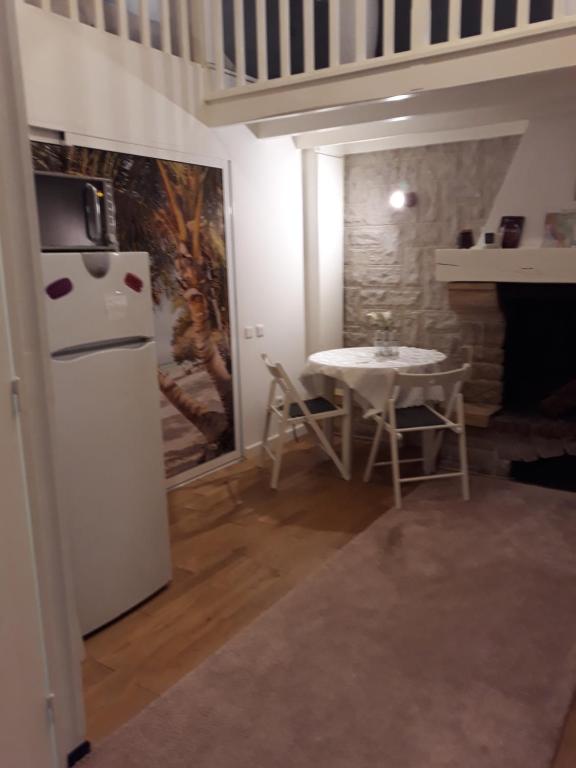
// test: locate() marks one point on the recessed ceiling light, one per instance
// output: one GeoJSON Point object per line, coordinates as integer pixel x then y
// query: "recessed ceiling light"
{"type": "Point", "coordinates": [400, 97]}
{"type": "Point", "coordinates": [398, 119]}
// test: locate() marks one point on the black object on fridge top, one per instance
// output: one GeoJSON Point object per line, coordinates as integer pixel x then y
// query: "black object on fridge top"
{"type": "Point", "coordinates": [76, 213]}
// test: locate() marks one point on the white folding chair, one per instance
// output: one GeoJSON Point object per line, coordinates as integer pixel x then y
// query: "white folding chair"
{"type": "Point", "coordinates": [426, 418]}
{"type": "Point", "coordinates": [291, 410]}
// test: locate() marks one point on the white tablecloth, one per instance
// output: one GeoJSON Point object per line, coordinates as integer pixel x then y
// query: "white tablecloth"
{"type": "Point", "coordinates": [369, 376]}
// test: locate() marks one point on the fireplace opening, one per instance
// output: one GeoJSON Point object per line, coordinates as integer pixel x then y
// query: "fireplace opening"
{"type": "Point", "coordinates": [539, 343]}
{"type": "Point", "coordinates": [539, 380]}
{"type": "Point", "coordinates": [558, 472]}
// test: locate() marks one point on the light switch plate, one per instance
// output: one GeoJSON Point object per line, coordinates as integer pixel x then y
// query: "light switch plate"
{"type": "Point", "coordinates": [259, 330]}
{"type": "Point", "coordinates": [248, 332]}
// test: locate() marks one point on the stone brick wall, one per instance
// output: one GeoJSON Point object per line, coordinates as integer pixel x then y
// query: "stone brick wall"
{"type": "Point", "coordinates": [481, 328]}
{"type": "Point", "coordinates": [389, 255]}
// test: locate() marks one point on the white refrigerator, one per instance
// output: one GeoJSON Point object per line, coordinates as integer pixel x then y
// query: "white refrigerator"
{"type": "Point", "coordinates": [108, 442]}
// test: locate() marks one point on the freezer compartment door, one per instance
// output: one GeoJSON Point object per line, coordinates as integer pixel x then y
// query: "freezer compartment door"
{"type": "Point", "coordinates": [111, 478]}
{"type": "Point", "coordinates": [96, 297]}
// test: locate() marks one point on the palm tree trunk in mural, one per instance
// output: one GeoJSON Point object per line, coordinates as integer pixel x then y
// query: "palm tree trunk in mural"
{"type": "Point", "coordinates": [194, 273]}
{"type": "Point", "coordinates": [211, 423]}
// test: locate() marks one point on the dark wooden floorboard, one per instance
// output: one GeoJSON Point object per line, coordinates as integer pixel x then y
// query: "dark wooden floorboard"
{"type": "Point", "coordinates": [237, 548]}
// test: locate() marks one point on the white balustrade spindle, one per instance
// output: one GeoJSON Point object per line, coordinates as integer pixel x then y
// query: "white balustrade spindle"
{"type": "Point", "coordinates": [360, 23]}
{"type": "Point", "coordinates": [218, 42]}
{"type": "Point", "coordinates": [261, 40]}
{"type": "Point", "coordinates": [184, 29]}
{"type": "Point", "coordinates": [73, 10]}
{"type": "Point", "coordinates": [522, 13]}
{"type": "Point", "coordinates": [285, 53]}
{"type": "Point", "coordinates": [98, 14]}
{"type": "Point", "coordinates": [144, 19]}
{"type": "Point", "coordinates": [309, 57]}
{"type": "Point", "coordinates": [420, 24]}
{"type": "Point", "coordinates": [454, 20]}
{"type": "Point", "coordinates": [488, 16]}
{"type": "Point", "coordinates": [389, 21]}
{"type": "Point", "coordinates": [199, 23]}
{"type": "Point", "coordinates": [122, 19]}
{"type": "Point", "coordinates": [334, 23]}
{"type": "Point", "coordinates": [239, 42]}
{"type": "Point", "coordinates": [165, 37]}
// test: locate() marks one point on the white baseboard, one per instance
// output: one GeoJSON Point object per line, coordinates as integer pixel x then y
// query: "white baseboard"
{"type": "Point", "coordinates": [252, 451]}
{"type": "Point", "coordinates": [249, 452]}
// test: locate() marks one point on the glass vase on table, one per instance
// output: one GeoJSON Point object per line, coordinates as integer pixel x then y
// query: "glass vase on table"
{"type": "Point", "coordinates": [385, 344]}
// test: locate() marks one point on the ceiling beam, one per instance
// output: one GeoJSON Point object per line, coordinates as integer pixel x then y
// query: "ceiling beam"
{"type": "Point", "coordinates": [426, 139]}
{"type": "Point", "coordinates": [544, 87]}
{"type": "Point", "coordinates": [444, 121]}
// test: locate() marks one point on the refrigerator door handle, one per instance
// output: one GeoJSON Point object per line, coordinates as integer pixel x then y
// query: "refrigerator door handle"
{"type": "Point", "coordinates": [93, 213]}
{"type": "Point", "coordinates": [81, 350]}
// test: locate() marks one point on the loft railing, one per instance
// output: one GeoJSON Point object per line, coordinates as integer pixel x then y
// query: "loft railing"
{"type": "Point", "coordinates": [253, 45]}
{"type": "Point", "coordinates": [271, 43]}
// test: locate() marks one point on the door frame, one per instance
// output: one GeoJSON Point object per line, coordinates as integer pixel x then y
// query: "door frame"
{"type": "Point", "coordinates": [26, 733]}
{"type": "Point", "coordinates": [23, 288]}
{"type": "Point", "coordinates": [64, 137]}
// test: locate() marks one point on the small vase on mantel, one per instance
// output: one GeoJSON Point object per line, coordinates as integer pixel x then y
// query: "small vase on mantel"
{"type": "Point", "coordinates": [465, 239]}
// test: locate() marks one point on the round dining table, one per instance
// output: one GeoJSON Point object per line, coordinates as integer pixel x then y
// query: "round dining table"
{"type": "Point", "coordinates": [364, 375]}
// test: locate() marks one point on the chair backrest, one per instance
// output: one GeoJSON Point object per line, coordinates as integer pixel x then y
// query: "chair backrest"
{"type": "Point", "coordinates": [449, 381]}
{"type": "Point", "coordinates": [281, 379]}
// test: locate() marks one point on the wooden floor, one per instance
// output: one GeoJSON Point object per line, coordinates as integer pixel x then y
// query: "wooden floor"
{"type": "Point", "coordinates": [237, 548]}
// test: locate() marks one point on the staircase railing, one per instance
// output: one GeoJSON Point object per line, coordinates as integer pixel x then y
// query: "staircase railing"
{"type": "Point", "coordinates": [167, 25]}
{"type": "Point", "coordinates": [260, 44]}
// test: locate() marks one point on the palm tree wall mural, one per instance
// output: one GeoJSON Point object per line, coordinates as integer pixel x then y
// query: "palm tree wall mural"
{"type": "Point", "coordinates": [175, 212]}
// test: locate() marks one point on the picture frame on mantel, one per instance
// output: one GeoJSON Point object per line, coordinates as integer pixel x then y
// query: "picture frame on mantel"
{"type": "Point", "coordinates": [511, 228]}
{"type": "Point", "coordinates": [560, 230]}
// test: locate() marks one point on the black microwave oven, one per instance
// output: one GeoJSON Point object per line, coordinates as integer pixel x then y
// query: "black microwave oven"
{"type": "Point", "coordinates": [76, 213]}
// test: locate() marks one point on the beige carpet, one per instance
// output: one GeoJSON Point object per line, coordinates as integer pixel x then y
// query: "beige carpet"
{"type": "Point", "coordinates": [444, 636]}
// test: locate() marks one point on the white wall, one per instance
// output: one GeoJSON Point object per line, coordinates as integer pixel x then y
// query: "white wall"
{"type": "Point", "coordinates": [93, 84]}
{"type": "Point", "coordinates": [324, 250]}
{"type": "Point", "coordinates": [541, 178]}
{"type": "Point", "coordinates": [267, 211]}
{"type": "Point", "coordinates": [331, 250]}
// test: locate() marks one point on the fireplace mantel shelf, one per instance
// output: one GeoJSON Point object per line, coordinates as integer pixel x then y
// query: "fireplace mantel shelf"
{"type": "Point", "coordinates": [495, 265]}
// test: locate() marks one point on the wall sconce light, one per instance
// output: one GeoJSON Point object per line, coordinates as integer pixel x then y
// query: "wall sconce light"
{"type": "Point", "coordinates": [400, 199]}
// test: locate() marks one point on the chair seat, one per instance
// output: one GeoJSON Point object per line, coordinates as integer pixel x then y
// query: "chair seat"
{"type": "Point", "coordinates": [417, 416]}
{"type": "Point", "coordinates": [315, 405]}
